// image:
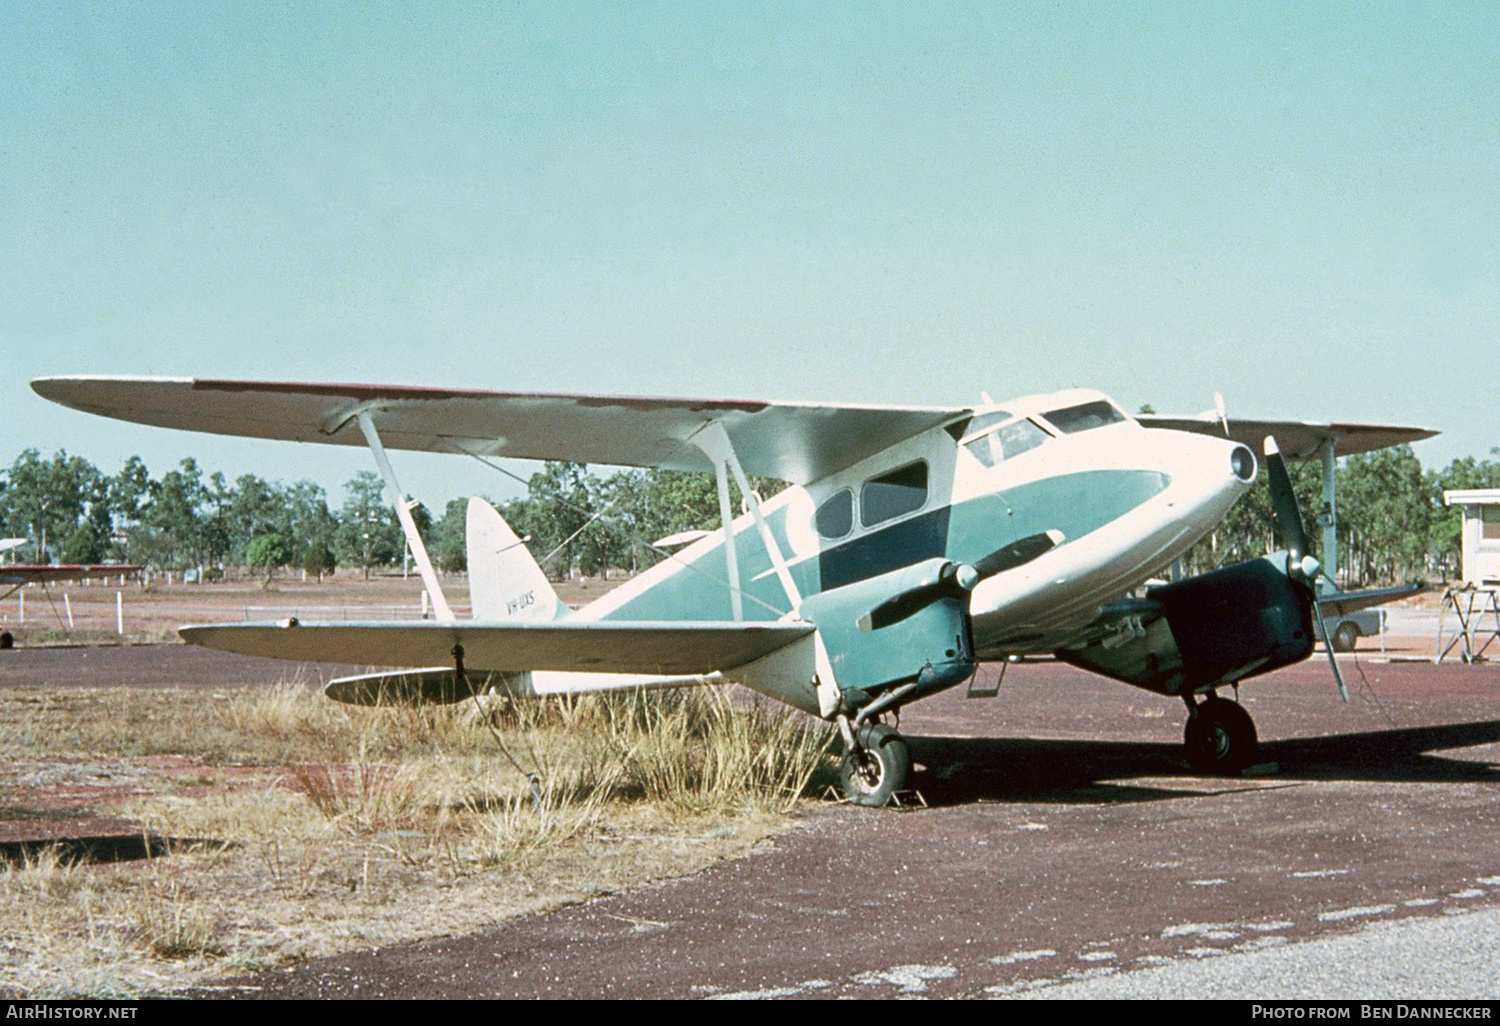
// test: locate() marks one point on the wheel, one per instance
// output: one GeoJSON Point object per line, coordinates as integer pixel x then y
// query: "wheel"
{"type": "Point", "coordinates": [1220, 738]}
{"type": "Point", "coordinates": [1345, 637]}
{"type": "Point", "coordinates": [877, 769]}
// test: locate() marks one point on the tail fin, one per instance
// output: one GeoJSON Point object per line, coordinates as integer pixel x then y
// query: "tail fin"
{"type": "Point", "coordinates": [505, 583]}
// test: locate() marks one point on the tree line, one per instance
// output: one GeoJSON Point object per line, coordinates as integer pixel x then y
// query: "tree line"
{"type": "Point", "coordinates": [575, 521]}
{"type": "Point", "coordinates": [1392, 525]}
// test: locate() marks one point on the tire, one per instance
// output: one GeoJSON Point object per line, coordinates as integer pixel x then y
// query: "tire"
{"type": "Point", "coordinates": [1346, 637]}
{"type": "Point", "coordinates": [1220, 738]}
{"type": "Point", "coordinates": [870, 774]}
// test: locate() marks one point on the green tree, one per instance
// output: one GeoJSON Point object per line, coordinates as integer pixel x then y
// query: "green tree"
{"type": "Point", "coordinates": [267, 554]}
{"type": "Point", "coordinates": [175, 531]}
{"type": "Point", "coordinates": [61, 503]}
{"type": "Point", "coordinates": [318, 559]}
{"type": "Point", "coordinates": [449, 540]}
{"type": "Point", "coordinates": [1385, 516]}
{"type": "Point", "coordinates": [129, 494]}
{"type": "Point", "coordinates": [563, 498]}
{"type": "Point", "coordinates": [368, 534]}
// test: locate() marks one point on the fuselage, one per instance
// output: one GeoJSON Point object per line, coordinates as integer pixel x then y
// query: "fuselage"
{"type": "Point", "coordinates": [1126, 499]}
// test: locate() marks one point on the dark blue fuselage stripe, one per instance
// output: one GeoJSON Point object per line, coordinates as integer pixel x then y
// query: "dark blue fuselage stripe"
{"type": "Point", "coordinates": [890, 548]}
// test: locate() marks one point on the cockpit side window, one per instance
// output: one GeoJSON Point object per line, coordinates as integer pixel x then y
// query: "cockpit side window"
{"type": "Point", "coordinates": [890, 495]}
{"type": "Point", "coordinates": [1085, 417]}
{"type": "Point", "coordinates": [983, 449]}
{"type": "Point", "coordinates": [986, 420]}
{"type": "Point", "coordinates": [835, 518]}
{"type": "Point", "coordinates": [1022, 436]}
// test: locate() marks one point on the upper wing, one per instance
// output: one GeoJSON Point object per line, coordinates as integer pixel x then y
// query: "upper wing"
{"type": "Point", "coordinates": [1298, 439]}
{"type": "Point", "coordinates": [667, 649]}
{"type": "Point", "coordinates": [796, 442]}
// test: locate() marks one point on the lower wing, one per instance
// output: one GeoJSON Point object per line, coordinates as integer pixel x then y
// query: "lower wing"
{"type": "Point", "coordinates": [1342, 603]}
{"type": "Point", "coordinates": [665, 649]}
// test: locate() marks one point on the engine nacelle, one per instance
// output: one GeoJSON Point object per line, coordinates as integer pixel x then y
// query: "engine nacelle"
{"type": "Point", "coordinates": [929, 644]}
{"type": "Point", "coordinates": [1215, 629]}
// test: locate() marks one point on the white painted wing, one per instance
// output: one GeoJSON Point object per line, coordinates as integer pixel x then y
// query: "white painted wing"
{"type": "Point", "coordinates": [1298, 439]}
{"type": "Point", "coordinates": [663, 649]}
{"type": "Point", "coordinates": [797, 442]}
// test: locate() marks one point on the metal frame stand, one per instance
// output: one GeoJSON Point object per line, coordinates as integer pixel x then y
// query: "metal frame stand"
{"type": "Point", "coordinates": [1471, 607]}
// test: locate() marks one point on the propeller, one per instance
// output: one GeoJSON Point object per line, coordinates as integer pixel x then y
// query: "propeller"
{"type": "Point", "coordinates": [955, 580]}
{"type": "Point", "coordinates": [1300, 564]}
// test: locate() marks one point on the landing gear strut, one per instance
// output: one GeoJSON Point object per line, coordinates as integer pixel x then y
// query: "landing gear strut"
{"type": "Point", "coordinates": [875, 767]}
{"type": "Point", "coordinates": [1219, 736]}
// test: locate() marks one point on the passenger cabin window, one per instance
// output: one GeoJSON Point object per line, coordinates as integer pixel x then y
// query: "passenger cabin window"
{"type": "Point", "coordinates": [1085, 417]}
{"type": "Point", "coordinates": [835, 518]}
{"type": "Point", "coordinates": [890, 495]}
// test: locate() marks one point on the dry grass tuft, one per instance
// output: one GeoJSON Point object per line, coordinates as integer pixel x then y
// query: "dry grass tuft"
{"type": "Point", "coordinates": [341, 827]}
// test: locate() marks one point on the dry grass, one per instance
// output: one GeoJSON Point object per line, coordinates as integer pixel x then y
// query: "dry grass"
{"type": "Point", "coordinates": [320, 828]}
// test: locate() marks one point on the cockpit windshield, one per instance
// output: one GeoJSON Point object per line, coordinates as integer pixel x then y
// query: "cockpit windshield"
{"type": "Point", "coordinates": [1006, 443]}
{"type": "Point", "coordinates": [1070, 420]}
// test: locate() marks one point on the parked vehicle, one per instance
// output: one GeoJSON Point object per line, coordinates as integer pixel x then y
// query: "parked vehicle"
{"type": "Point", "coordinates": [1345, 631]}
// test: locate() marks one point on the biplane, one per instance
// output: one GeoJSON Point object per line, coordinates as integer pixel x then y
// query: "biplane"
{"type": "Point", "coordinates": [914, 544]}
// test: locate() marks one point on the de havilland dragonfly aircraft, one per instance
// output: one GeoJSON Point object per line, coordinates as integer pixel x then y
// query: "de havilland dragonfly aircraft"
{"type": "Point", "coordinates": [914, 544]}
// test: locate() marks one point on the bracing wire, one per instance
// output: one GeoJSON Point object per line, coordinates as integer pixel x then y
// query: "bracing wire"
{"type": "Point", "coordinates": [632, 537]}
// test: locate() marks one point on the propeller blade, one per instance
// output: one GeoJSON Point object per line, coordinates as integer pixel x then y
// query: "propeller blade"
{"type": "Point", "coordinates": [1289, 526]}
{"type": "Point", "coordinates": [1017, 553]}
{"type": "Point", "coordinates": [953, 580]}
{"type": "Point", "coordinates": [1300, 564]}
{"type": "Point", "coordinates": [1338, 676]}
{"type": "Point", "coordinates": [958, 579]}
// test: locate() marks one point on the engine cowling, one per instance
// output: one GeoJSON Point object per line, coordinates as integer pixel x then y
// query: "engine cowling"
{"type": "Point", "coordinates": [1215, 629]}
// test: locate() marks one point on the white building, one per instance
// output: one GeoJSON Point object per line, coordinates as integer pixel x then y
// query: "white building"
{"type": "Point", "coordinates": [1481, 533]}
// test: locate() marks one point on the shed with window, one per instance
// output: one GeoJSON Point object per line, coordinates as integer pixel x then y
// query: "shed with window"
{"type": "Point", "coordinates": [1481, 534]}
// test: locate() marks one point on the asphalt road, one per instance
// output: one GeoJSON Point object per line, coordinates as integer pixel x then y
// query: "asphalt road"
{"type": "Point", "coordinates": [1066, 850]}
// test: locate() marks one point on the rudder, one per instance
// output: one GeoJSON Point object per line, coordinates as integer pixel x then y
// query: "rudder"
{"type": "Point", "coordinates": [505, 582]}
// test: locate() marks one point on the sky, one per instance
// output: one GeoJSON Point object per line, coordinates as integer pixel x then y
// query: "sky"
{"type": "Point", "coordinates": [1292, 204]}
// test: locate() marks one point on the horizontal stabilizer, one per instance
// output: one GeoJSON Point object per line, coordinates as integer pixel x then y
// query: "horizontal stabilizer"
{"type": "Point", "coordinates": [440, 685]}
{"type": "Point", "coordinates": [657, 648]}
{"type": "Point", "coordinates": [436, 685]}
{"type": "Point", "coordinates": [1342, 603]}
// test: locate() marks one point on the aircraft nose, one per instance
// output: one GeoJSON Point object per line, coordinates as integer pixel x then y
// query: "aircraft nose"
{"type": "Point", "coordinates": [1242, 463]}
{"type": "Point", "coordinates": [1209, 474]}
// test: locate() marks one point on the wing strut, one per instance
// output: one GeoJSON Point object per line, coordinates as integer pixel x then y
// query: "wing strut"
{"type": "Point", "coordinates": [403, 513]}
{"type": "Point", "coordinates": [731, 553]}
{"type": "Point", "coordinates": [715, 443]}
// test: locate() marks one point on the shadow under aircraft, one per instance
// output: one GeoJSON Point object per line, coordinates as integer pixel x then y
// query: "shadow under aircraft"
{"type": "Point", "coordinates": [958, 771]}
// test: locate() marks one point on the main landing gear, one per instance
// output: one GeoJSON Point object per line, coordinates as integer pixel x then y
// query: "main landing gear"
{"type": "Point", "coordinates": [875, 766]}
{"type": "Point", "coordinates": [1219, 736]}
